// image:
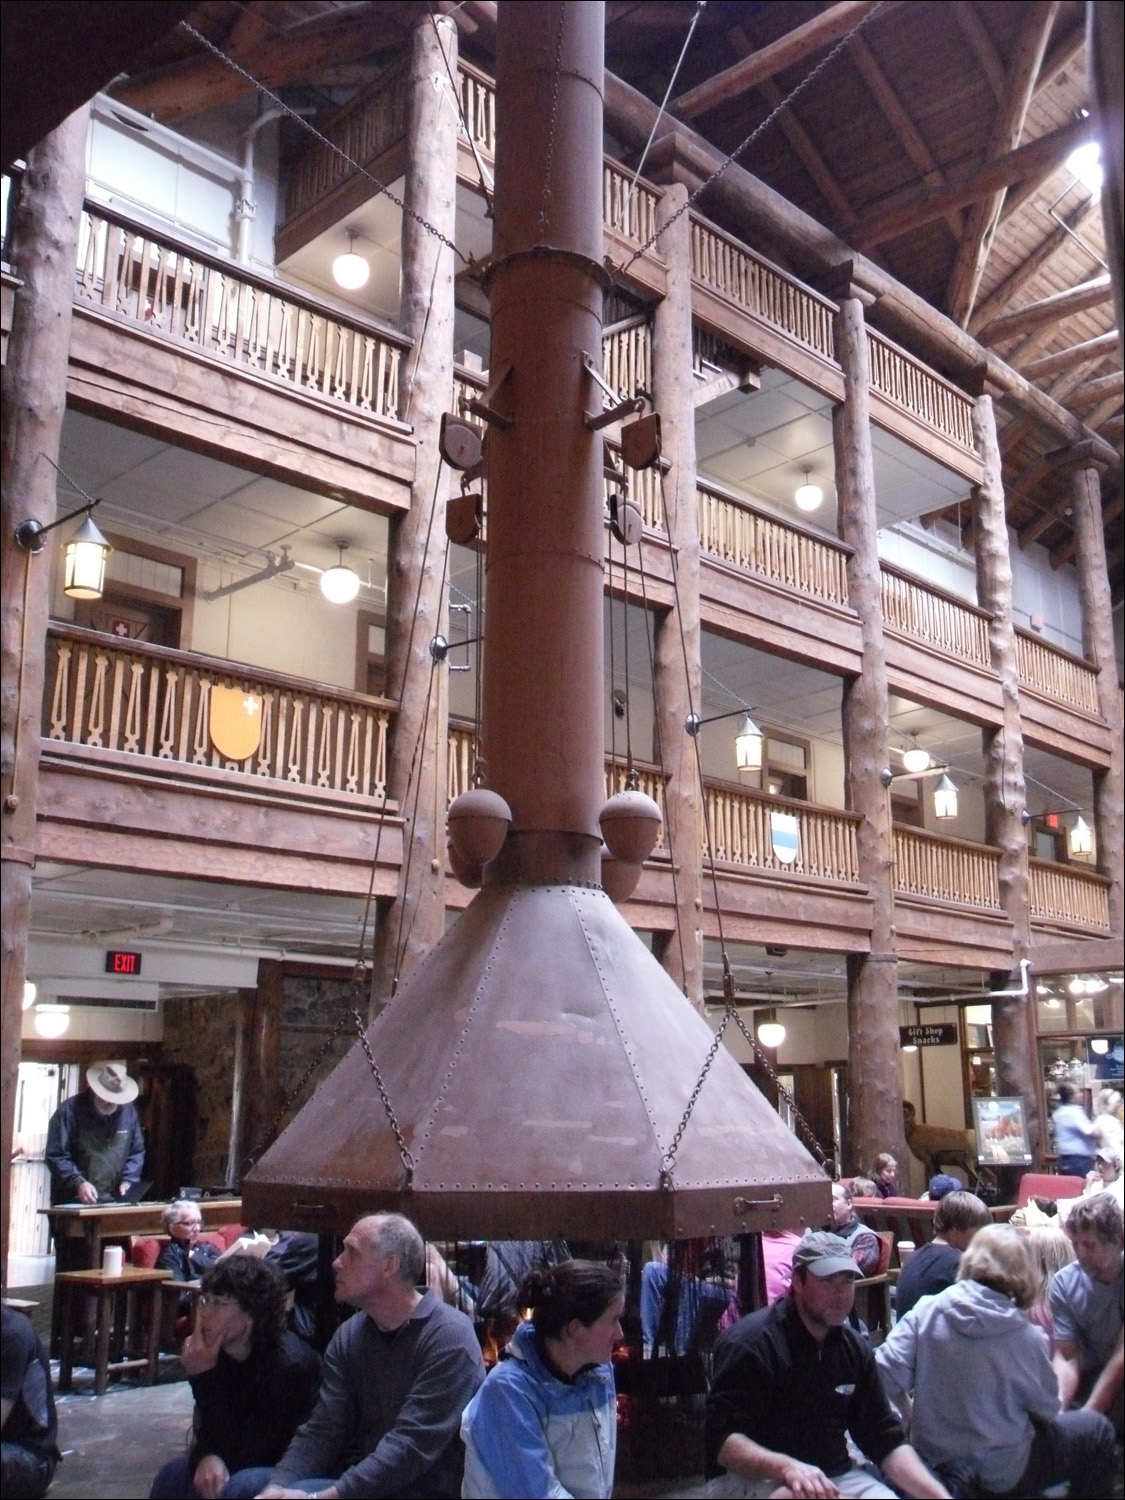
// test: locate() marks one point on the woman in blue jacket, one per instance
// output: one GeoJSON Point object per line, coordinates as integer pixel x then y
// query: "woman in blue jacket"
{"type": "Point", "coordinates": [544, 1423]}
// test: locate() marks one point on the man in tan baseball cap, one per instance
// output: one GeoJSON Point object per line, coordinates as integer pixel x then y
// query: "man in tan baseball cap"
{"type": "Point", "coordinates": [95, 1149]}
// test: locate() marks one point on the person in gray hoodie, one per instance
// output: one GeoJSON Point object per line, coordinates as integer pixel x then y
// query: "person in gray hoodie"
{"type": "Point", "coordinates": [985, 1401]}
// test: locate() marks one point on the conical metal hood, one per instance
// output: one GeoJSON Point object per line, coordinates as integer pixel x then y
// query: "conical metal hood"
{"type": "Point", "coordinates": [538, 1063]}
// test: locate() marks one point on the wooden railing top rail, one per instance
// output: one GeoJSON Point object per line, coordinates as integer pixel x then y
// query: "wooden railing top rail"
{"type": "Point", "coordinates": [781, 804]}
{"type": "Point", "coordinates": [1080, 873]}
{"type": "Point", "coordinates": [1049, 646]}
{"type": "Point", "coordinates": [301, 296]}
{"type": "Point", "coordinates": [216, 664]}
{"type": "Point", "coordinates": [944, 840]}
{"type": "Point", "coordinates": [935, 589]}
{"type": "Point", "coordinates": [763, 260]}
{"type": "Point", "coordinates": [732, 497]}
{"type": "Point", "coordinates": [959, 401]}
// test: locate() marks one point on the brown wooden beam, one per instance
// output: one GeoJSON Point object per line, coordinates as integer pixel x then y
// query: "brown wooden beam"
{"type": "Point", "coordinates": [1007, 127]}
{"type": "Point", "coordinates": [1077, 354]}
{"type": "Point", "coordinates": [203, 82]}
{"type": "Point", "coordinates": [1009, 289]}
{"type": "Point", "coordinates": [905, 131]}
{"type": "Point", "coordinates": [972, 28]}
{"type": "Point", "coordinates": [1113, 427]}
{"type": "Point", "coordinates": [1094, 392]}
{"type": "Point", "coordinates": [1048, 310]}
{"type": "Point", "coordinates": [1107, 409]}
{"type": "Point", "coordinates": [916, 209]}
{"type": "Point", "coordinates": [803, 42]}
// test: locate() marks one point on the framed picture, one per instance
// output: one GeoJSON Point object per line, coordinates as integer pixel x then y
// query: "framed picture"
{"type": "Point", "coordinates": [1001, 1132]}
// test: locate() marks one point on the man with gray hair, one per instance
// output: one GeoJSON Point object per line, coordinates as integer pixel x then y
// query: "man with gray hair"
{"type": "Point", "coordinates": [397, 1377]}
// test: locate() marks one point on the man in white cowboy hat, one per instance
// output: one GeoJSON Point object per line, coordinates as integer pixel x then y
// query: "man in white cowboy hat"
{"type": "Point", "coordinates": [95, 1149]}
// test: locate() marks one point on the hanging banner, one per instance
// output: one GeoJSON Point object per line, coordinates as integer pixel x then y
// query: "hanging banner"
{"type": "Point", "coordinates": [235, 722]}
{"type": "Point", "coordinates": [785, 835]}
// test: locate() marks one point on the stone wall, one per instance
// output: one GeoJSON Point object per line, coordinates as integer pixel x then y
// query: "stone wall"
{"type": "Point", "coordinates": [199, 1032]}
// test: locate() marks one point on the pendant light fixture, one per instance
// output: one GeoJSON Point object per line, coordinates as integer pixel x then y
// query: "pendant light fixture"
{"type": "Point", "coordinates": [945, 799]}
{"type": "Point", "coordinates": [808, 496]}
{"type": "Point", "coordinates": [350, 270]}
{"type": "Point", "coordinates": [771, 1033]}
{"type": "Point", "coordinates": [340, 584]}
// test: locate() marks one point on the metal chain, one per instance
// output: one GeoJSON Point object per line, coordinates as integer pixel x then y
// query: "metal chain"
{"type": "Point", "coordinates": [556, 73]}
{"type": "Point", "coordinates": [403, 1150]}
{"type": "Point", "coordinates": [668, 1161]}
{"type": "Point", "coordinates": [783, 104]}
{"type": "Point", "coordinates": [229, 62]}
{"type": "Point", "coordinates": [803, 1126]}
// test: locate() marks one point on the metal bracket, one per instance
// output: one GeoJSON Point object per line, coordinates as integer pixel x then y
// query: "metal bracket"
{"type": "Point", "coordinates": [622, 407]}
{"type": "Point", "coordinates": [481, 406]}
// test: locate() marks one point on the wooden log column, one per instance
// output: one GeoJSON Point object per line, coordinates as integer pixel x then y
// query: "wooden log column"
{"type": "Point", "coordinates": [677, 637]}
{"type": "Point", "coordinates": [45, 239]}
{"type": "Point", "coordinates": [261, 1064]}
{"type": "Point", "coordinates": [874, 1073]}
{"type": "Point", "coordinates": [416, 597]}
{"type": "Point", "coordinates": [1097, 642]}
{"type": "Point", "coordinates": [1005, 794]}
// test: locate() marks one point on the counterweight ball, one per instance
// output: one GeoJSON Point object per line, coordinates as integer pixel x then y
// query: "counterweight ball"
{"type": "Point", "coordinates": [630, 824]}
{"type": "Point", "coordinates": [468, 874]}
{"type": "Point", "coordinates": [619, 877]}
{"type": "Point", "coordinates": [478, 822]}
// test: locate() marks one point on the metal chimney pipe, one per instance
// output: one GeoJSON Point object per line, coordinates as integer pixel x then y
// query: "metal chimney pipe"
{"type": "Point", "coordinates": [543, 678]}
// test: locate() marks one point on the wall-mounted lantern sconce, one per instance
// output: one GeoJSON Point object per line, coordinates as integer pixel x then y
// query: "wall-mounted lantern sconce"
{"type": "Point", "coordinates": [86, 552]}
{"type": "Point", "coordinates": [747, 742]}
{"type": "Point", "coordinates": [1080, 839]}
{"type": "Point", "coordinates": [945, 793]}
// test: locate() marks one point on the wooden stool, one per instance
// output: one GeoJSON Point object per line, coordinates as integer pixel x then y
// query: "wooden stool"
{"type": "Point", "coordinates": [133, 1292]}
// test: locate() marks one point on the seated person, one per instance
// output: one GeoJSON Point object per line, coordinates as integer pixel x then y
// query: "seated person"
{"type": "Point", "coordinates": [861, 1241]}
{"type": "Point", "coordinates": [254, 1382]}
{"type": "Point", "coordinates": [297, 1256]}
{"type": "Point", "coordinates": [397, 1377]}
{"type": "Point", "coordinates": [793, 1381]}
{"type": "Point", "coordinates": [674, 1296]}
{"type": "Point", "coordinates": [1087, 1301]}
{"type": "Point", "coordinates": [863, 1187]}
{"type": "Point", "coordinates": [940, 1184]}
{"type": "Point", "coordinates": [544, 1423]}
{"type": "Point", "coordinates": [884, 1174]}
{"type": "Point", "coordinates": [985, 1399]}
{"type": "Point", "coordinates": [1105, 1178]}
{"type": "Point", "coordinates": [28, 1410]}
{"type": "Point", "coordinates": [933, 1266]}
{"type": "Point", "coordinates": [184, 1257]}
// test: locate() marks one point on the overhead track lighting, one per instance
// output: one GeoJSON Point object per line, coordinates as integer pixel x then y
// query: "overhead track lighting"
{"type": "Point", "coordinates": [350, 269]}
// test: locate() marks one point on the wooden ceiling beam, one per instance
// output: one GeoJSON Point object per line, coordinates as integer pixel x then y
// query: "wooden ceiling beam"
{"type": "Point", "coordinates": [1009, 289]}
{"type": "Point", "coordinates": [202, 82]}
{"type": "Point", "coordinates": [1007, 127]}
{"type": "Point", "coordinates": [1108, 408]}
{"type": "Point", "coordinates": [1062, 54]}
{"type": "Point", "coordinates": [905, 131]}
{"type": "Point", "coordinates": [1048, 310]}
{"type": "Point", "coordinates": [1113, 427]}
{"type": "Point", "coordinates": [1035, 159]}
{"type": "Point", "coordinates": [823, 31]}
{"type": "Point", "coordinates": [1077, 354]}
{"type": "Point", "coordinates": [972, 28]}
{"type": "Point", "coordinates": [1094, 392]}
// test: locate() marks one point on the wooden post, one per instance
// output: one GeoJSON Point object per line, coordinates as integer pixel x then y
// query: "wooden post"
{"type": "Point", "coordinates": [416, 602]}
{"type": "Point", "coordinates": [874, 1074]}
{"type": "Point", "coordinates": [45, 240]}
{"type": "Point", "coordinates": [677, 692]}
{"type": "Point", "coordinates": [1005, 794]}
{"type": "Point", "coordinates": [262, 1087]}
{"type": "Point", "coordinates": [1097, 642]}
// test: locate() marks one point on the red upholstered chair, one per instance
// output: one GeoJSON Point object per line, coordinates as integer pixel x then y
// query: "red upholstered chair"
{"type": "Point", "coordinates": [1049, 1185]}
{"type": "Point", "coordinates": [144, 1250]}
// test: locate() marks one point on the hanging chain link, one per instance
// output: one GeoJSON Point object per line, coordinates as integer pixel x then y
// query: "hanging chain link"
{"type": "Point", "coordinates": [804, 1129]}
{"type": "Point", "coordinates": [668, 1162]}
{"type": "Point", "coordinates": [556, 74]}
{"type": "Point", "coordinates": [392, 1120]}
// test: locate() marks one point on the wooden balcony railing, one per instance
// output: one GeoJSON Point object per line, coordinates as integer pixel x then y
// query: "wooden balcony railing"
{"type": "Point", "coordinates": [367, 126]}
{"type": "Point", "coordinates": [920, 391]}
{"type": "Point", "coordinates": [478, 106]}
{"type": "Point", "coordinates": [738, 822]}
{"type": "Point", "coordinates": [728, 268]}
{"type": "Point", "coordinates": [736, 532]}
{"type": "Point", "coordinates": [628, 210]}
{"type": "Point", "coordinates": [210, 307]}
{"type": "Point", "coordinates": [944, 869]}
{"type": "Point", "coordinates": [927, 614]}
{"type": "Point", "coordinates": [151, 701]}
{"type": "Point", "coordinates": [1054, 673]}
{"type": "Point", "coordinates": [1067, 896]}
{"type": "Point", "coordinates": [627, 356]}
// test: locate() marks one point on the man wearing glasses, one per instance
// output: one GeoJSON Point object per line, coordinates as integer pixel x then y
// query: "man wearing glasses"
{"type": "Point", "coordinates": [397, 1377]}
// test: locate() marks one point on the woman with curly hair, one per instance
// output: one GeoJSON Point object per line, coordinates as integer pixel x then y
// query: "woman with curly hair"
{"type": "Point", "coordinates": [544, 1423]}
{"type": "Point", "coordinates": [254, 1382]}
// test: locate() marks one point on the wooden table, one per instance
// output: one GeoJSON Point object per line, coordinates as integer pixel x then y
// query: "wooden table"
{"type": "Point", "coordinates": [125, 1295]}
{"type": "Point", "coordinates": [90, 1226]}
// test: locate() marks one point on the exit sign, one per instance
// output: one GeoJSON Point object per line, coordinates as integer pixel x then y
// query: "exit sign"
{"type": "Point", "coordinates": [117, 961]}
